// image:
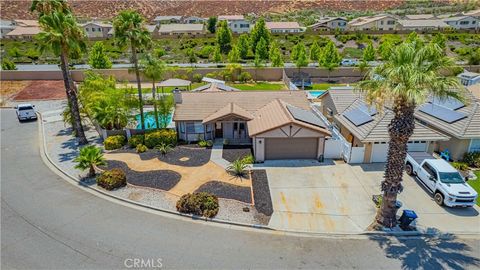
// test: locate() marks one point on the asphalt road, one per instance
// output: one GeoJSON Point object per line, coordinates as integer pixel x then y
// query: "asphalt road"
{"type": "Point", "coordinates": [48, 223]}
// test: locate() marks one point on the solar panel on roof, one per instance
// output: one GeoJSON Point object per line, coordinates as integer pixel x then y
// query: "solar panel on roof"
{"type": "Point", "coordinates": [357, 116]}
{"type": "Point", "coordinates": [305, 116]}
{"type": "Point", "coordinates": [442, 113]}
{"type": "Point", "coordinates": [449, 103]}
{"type": "Point", "coordinates": [368, 109]}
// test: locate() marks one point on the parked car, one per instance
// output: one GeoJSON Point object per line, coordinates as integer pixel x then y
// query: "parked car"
{"type": "Point", "coordinates": [439, 177]}
{"type": "Point", "coordinates": [25, 112]}
{"type": "Point", "coordinates": [349, 62]}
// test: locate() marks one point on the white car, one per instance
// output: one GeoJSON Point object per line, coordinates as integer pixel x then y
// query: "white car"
{"type": "Point", "coordinates": [439, 177]}
{"type": "Point", "coordinates": [25, 112]}
{"type": "Point", "coordinates": [349, 62]}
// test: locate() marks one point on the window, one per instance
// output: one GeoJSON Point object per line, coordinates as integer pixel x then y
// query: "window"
{"type": "Point", "coordinates": [182, 127]}
{"type": "Point", "coordinates": [381, 22]}
{"type": "Point", "coordinates": [390, 22]}
{"type": "Point", "coordinates": [242, 126]}
{"type": "Point", "coordinates": [195, 127]}
{"type": "Point", "coordinates": [430, 170]}
{"type": "Point", "coordinates": [93, 29]}
{"type": "Point", "coordinates": [99, 29]}
{"type": "Point", "coordinates": [209, 127]}
{"type": "Point", "coordinates": [87, 29]}
{"type": "Point", "coordinates": [474, 145]}
{"type": "Point", "coordinates": [464, 22]}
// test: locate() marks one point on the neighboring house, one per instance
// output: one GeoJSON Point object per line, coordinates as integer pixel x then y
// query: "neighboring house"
{"type": "Point", "coordinates": [27, 23]}
{"type": "Point", "coordinates": [97, 29]}
{"type": "Point", "coordinates": [25, 33]}
{"type": "Point", "coordinates": [468, 78]}
{"type": "Point", "coordinates": [279, 125]}
{"type": "Point", "coordinates": [420, 17]}
{"type": "Point", "coordinates": [329, 23]}
{"type": "Point", "coordinates": [421, 25]}
{"type": "Point", "coordinates": [458, 120]}
{"type": "Point", "coordinates": [193, 19]}
{"type": "Point", "coordinates": [181, 28]}
{"type": "Point", "coordinates": [6, 26]}
{"type": "Point", "coordinates": [366, 128]}
{"type": "Point", "coordinates": [236, 23]}
{"type": "Point", "coordinates": [167, 19]}
{"type": "Point", "coordinates": [284, 27]}
{"type": "Point", "coordinates": [377, 22]}
{"type": "Point", "coordinates": [462, 22]}
{"type": "Point", "coordinates": [215, 87]}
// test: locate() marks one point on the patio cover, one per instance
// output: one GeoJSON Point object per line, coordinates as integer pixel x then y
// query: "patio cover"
{"type": "Point", "coordinates": [175, 82]}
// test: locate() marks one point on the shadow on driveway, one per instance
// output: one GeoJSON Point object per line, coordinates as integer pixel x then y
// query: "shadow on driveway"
{"type": "Point", "coordinates": [439, 252]}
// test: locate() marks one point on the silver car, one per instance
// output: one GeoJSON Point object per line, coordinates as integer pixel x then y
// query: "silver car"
{"type": "Point", "coordinates": [26, 112]}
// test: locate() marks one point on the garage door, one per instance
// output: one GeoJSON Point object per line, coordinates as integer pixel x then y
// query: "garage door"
{"type": "Point", "coordinates": [380, 149]}
{"type": "Point", "coordinates": [291, 148]}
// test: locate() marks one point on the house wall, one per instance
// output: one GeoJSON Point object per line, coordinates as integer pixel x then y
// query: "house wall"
{"type": "Point", "coordinates": [382, 24]}
{"type": "Point", "coordinates": [239, 26]}
{"type": "Point", "coordinates": [456, 147]}
{"type": "Point", "coordinates": [368, 152]}
{"type": "Point", "coordinates": [99, 32]}
{"type": "Point", "coordinates": [286, 30]}
{"type": "Point", "coordinates": [467, 23]}
{"type": "Point", "coordinates": [340, 24]}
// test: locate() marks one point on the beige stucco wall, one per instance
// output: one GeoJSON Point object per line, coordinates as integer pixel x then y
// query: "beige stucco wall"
{"type": "Point", "coordinates": [368, 152]}
{"type": "Point", "coordinates": [456, 147]}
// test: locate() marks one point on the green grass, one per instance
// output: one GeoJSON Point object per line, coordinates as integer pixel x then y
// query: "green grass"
{"type": "Point", "coordinates": [325, 86]}
{"type": "Point", "coordinates": [475, 184]}
{"type": "Point", "coordinates": [262, 86]}
{"type": "Point", "coordinates": [352, 53]}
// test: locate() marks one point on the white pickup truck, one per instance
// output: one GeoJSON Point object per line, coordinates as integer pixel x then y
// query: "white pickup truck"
{"type": "Point", "coordinates": [445, 182]}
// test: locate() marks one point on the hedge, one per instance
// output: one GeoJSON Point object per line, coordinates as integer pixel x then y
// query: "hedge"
{"type": "Point", "coordinates": [158, 137]}
{"type": "Point", "coordinates": [114, 142]}
{"type": "Point", "coordinates": [135, 140]}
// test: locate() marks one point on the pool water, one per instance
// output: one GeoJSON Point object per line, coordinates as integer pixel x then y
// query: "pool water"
{"type": "Point", "coordinates": [316, 93]}
{"type": "Point", "coordinates": [150, 120]}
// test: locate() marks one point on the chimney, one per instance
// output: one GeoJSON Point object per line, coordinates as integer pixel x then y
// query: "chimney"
{"type": "Point", "coordinates": [177, 96]}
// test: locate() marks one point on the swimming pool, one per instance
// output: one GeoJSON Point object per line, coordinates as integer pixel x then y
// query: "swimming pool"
{"type": "Point", "coordinates": [315, 93]}
{"type": "Point", "coordinates": [150, 122]}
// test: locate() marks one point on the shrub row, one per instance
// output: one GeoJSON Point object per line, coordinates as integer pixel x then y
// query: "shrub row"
{"type": "Point", "coordinates": [158, 137]}
{"type": "Point", "coordinates": [112, 179]}
{"type": "Point", "coordinates": [136, 140]}
{"type": "Point", "coordinates": [472, 159]}
{"type": "Point", "coordinates": [202, 204]}
{"type": "Point", "coordinates": [114, 142]}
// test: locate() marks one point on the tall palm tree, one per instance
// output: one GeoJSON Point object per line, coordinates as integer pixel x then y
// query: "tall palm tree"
{"type": "Point", "coordinates": [64, 37]}
{"type": "Point", "coordinates": [408, 78]}
{"type": "Point", "coordinates": [154, 69]}
{"type": "Point", "coordinates": [44, 7]}
{"type": "Point", "coordinates": [129, 28]}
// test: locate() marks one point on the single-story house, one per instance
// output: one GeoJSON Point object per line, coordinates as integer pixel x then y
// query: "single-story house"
{"type": "Point", "coordinates": [462, 22]}
{"type": "Point", "coordinates": [193, 19]}
{"type": "Point", "coordinates": [167, 19]}
{"type": "Point", "coordinates": [236, 23]}
{"type": "Point", "coordinates": [329, 23]}
{"type": "Point", "coordinates": [468, 78]}
{"type": "Point", "coordinates": [279, 125]}
{"type": "Point", "coordinates": [181, 28]}
{"type": "Point", "coordinates": [97, 29]}
{"type": "Point", "coordinates": [366, 128]}
{"type": "Point", "coordinates": [21, 32]}
{"type": "Point", "coordinates": [284, 27]}
{"type": "Point", "coordinates": [458, 120]}
{"type": "Point", "coordinates": [421, 25]}
{"type": "Point", "coordinates": [377, 22]}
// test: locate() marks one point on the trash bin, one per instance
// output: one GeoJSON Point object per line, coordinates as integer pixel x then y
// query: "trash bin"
{"type": "Point", "coordinates": [407, 217]}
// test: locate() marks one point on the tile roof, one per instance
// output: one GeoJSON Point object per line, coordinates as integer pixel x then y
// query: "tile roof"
{"type": "Point", "coordinates": [27, 23]}
{"type": "Point", "coordinates": [231, 17]}
{"type": "Point", "coordinates": [274, 115]}
{"type": "Point", "coordinates": [422, 23]}
{"type": "Point", "coordinates": [180, 27]}
{"type": "Point", "coordinates": [282, 25]}
{"type": "Point", "coordinates": [419, 16]}
{"type": "Point", "coordinates": [164, 18]}
{"type": "Point", "coordinates": [101, 24]}
{"type": "Point", "coordinates": [474, 13]}
{"type": "Point", "coordinates": [197, 106]}
{"type": "Point", "coordinates": [229, 109]}
{"type": "Point", "coordinates": [365, 20]}
{"type": "Point", "coordinates": [21, 31]}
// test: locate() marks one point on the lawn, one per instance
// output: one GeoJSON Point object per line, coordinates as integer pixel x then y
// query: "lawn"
{"type": "Point", "coordinates": [352, 53]}
{"type": "Point", "coordinates": [325, 86]}
{"type": "Point", "coordinates": [262, 86]}
{"type": "Point", "coordinates": [475, 184]}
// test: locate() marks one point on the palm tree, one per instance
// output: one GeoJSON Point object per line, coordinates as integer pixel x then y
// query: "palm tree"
{"type": "Point", "coordinates": [45, 7]}
{"type": "Point", "coordinates": [129, 28]}
{"type": "Point", "coordinates": [408, 78]}
{"type": "Point", "coordinates": [153, 69]}
{"type": "Point", "coordinates": [64, 37]}
{"type": "Point", "coordinates": [88, 158]}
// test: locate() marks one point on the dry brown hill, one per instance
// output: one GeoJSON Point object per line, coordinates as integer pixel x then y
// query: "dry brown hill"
{"type": "Point", "coordinates": [11, 9]}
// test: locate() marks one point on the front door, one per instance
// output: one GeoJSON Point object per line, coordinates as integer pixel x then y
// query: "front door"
{"type": "Point", "coordinates": [239, 130]}
{"type": "Point", "coordinates": [218, 130]}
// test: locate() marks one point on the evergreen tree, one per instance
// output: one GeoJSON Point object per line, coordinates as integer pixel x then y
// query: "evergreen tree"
{"type": "Point", "coordinates": [192, 57]}
{"type": "Point", "coordinates": [259, 31]}
{"type": "Point", "coordinates": [243, 46]}
{"type": "Point", "coordinates": [315, 52]}
{"type": "Point", "coordinates": [217, 55]}
{"type": "Point", "coordinates": [369, 53]}
{"type": "Point", "coordinates": [275, 55]}
{"type": "Point", "coordinates": [98, 58]}
{"type": "Point", "coordinates": [224, 37]}
{"type": "Point", "coordinates": [385, 49]}
{"type": "Point", "coordinates": [262, 49]}
{"type": "Point", "coordinates": [301, 58]}
{"type": "Point", "coordinates": [234, 55]}
{"type": "Point", "coordinates": [330, 57]}
{"type": "Point", "coordinates": [212, 24]}
{"type": "Point", "coordinates": [440, 40]}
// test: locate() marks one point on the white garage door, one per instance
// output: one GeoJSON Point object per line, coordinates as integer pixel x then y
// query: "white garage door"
{"type": "Point", "coordinates": [380, 149]}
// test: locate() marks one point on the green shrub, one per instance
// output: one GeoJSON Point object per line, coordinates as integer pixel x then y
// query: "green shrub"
{"type": "Point", "coordinates": [197, 77]}
{"type": "Point", "coordinates": [202, 204]}
{"type": "Point", "coordinates": [461, 166]}
{"type": "Point", "coordinates": [112, 179]}
{"type": "Point", "coordinates": [472, 159]}
{"type": "Point", "coordinates": [135, 140]}
{"type": "Point", "coordinates": [209, 143]}
{"type": "Point", "coordinates": [248, 159]}
{"type": "Point", "coordinates": [114, 142]}
{"type": "Point", "coordinates": [238, 168]}
{"type": "Point", "coordinates": [245, 77]}
{"type": "Point", "coordinates": [202, 143]}
{"type": "Point", "coordinates": [141, 148]}
{"type": "Point", "coordinates": [158, 137]}
{"type": "Point", "coordinates": [8, 65]}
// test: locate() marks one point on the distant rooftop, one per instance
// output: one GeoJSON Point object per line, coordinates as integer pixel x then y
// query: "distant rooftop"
{"type": "Point", "coordinates": [282, 25]}
{"type": "Point", "coordinates": [231, 17]}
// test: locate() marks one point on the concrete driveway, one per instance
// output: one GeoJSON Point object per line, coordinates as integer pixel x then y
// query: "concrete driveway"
{"type": "Point", "coordinates": [328, 198]}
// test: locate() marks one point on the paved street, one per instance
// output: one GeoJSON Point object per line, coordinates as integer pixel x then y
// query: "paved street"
{"type": "Point", "coordinates": [48, 223]}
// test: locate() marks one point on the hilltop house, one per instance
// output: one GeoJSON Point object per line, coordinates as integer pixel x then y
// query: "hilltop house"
{"type": "Point", "coordinates": [180, 29]}
{"type": "Point", "coordinates": [279, 125]}
{"type": "Point", "coordinates": [462, 22]}
{"type": "Point", "coordinates": [377, 22]}
{"type": "Point", "coordinates": [193, 19]}
{"type": "Point", "coordinates": [329, 23]}
{"type": "Point", "coordinates": [284, 27]}
{"type": "Point", "coordinates": [95, 29]}
{"type": "Point", "coordinates": [236, 23]}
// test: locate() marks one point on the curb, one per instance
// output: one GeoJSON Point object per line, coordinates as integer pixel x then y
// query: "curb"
{"type": "Point", "coordinates": [255, 227]}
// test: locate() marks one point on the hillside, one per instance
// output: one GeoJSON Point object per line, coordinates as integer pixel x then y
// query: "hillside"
{"type": "Point", "coordinates": [19, 9]}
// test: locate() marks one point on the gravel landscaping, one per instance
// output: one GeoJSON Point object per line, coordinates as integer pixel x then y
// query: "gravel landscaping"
{"type": "Point", "coordinates": [261, 192]}
{"type": "Point", "coordinates": [182, 155]}
{"type": "Point", "coordinates": [160, 179]}
{"type": "Point", "coordinates": [234, 152]}
{"type": "Point", "coordinates": [227, 191]}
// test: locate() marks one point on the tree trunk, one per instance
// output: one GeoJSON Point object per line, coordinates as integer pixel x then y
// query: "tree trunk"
{"type": "Point", "coordinates": [139, 85]}
{"type": "Point", "coordinates": [400, 129]}
{"type": "Point", "coordinates": [155, 111]}
{"type": "Point", "coordinates": [72, 99]}
{"type": "Point", "coordinates": [91, 172]}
